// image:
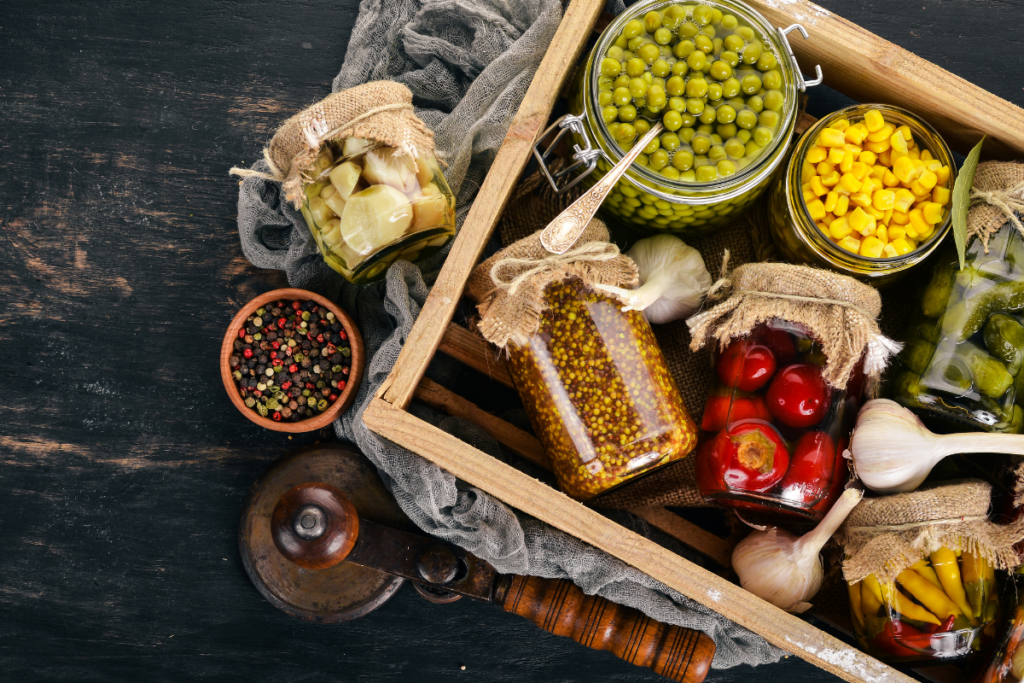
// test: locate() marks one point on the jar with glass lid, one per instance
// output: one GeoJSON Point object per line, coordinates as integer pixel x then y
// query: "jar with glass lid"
{"type": "Point", "coordinates": [721, 80]}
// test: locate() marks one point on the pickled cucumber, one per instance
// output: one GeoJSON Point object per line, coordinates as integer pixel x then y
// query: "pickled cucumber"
{"type": "Point", "coordinates": [968, 316]}
{"type": "Point", "coordinates": [991, 378]}
{"type": "Point", "coordinates": [933, 304]}
{"type": "Point", "coordinates": [917, 354]}
{"type": "Point", "coordinates": [1004, 339]}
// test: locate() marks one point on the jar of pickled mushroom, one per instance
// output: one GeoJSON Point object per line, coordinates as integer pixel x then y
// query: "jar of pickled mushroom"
{"type": "Point", "coordinates": [866, 193]}
{"type": "Point", "coordinates": [592, 377]}
{"type": "Point", "coordinates": [964, 345]}
{"type": "Point", "coordinates": [723, 83]}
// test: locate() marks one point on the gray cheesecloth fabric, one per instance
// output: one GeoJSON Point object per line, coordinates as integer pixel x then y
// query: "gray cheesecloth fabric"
{"type": "Point", "coordinates": [468, 64]}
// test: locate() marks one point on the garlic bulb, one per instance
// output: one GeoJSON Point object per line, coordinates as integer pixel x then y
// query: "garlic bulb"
{"type": "Point", "coordinates": [785, 569]}
{"type": "Point", "coordinates": [893, 451]}
{"type": "Point", "coordinates": [674, 279]}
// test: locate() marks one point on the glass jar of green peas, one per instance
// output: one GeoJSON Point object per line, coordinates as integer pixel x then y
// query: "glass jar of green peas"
{"type": "Point", "coordinates": [721, 80]}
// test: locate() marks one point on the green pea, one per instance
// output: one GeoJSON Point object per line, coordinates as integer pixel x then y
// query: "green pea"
{"type": "Point", "coordinates": [637, 88]}
{"type": "Point", "coordinates": [683, 160]}
{"type": "Point", "coordinates": [656, 97]}
{"type": "Point", "coordinates": [717, 42]}
{"type": "Point", "coordinates": [620, 42]}
{"type": "Point", "coordinates": [683, 49]}
{"type": "Point", "coordinates": [641, 160]}
{"type": "Point", "coordinates": [604, 83]}
{"type": "Point", "coordinates": [697, 60]}
{"type": "Point", "coordinates": [708, 31]}
{"type": "Point", "coordinates": [746, 119]}
{"type": "Point", "coordinates": [773, 100]}
{"type": "Point", "coordinates": [716, 139]}
{"type": "Point", "coordinates": [753, 148]}
{"type": "Point", "coordinates": [716, 15]}
{"type": "Point", "coordinates": [752, 52]}
{"type": "Point", "coordinates": [688, 118]}
{"type": "Point", "coordinates": [743, 135]}
{"type": "Point", "coordinates": [635, 67]}
{"type": "Point", "coordinates": [639, 103]}
{"type": "Point", "coordinates": [616, 53]}
{"type": "Point", "coordinates": [610, 67]}
{"type": "Point", "coordinates": [772, 80]}
{"type": "Point", "coordinates": [702, 15]}
{"type": "Point", "coordinates": [642, 126]}
{"type": "Point", "coordinates": [768, 119]}
{"type": "Point", "coordinates": [696, 87]}
{"type": "Point", "coordinates": [730, 58]}
{"type": "Point", "coordinates": [627, 112]}
{"type": "Point", "coordinates": [614, 126]}
{"type": "Point", "coordinates": [673, 15]}
{"type": "Point", "coordinates": [750, 84]}
{"type": "Point", "coordinates": [734, 148]}
{"type": "Point", "coordinates": [669, 142]}
{"type": "Point", "coordinates": [709, 115]}
{"type": "Point", "coordinates": [663, 36]}
{"type": "Point", "coordinates": [677, 104]}
{"type": "Point", "coordinates": [604, 98]}
{"type": "Point", "coordinates": [658, 81]}
{"type": "Point", "coordinates": [705, 128]}
{"type": "Point", "coordinates": [746, 33]}
{"type": "Point", "coordinates": [622, 81]}
{"type": "Point", "coordinates": [704, 44]}
{"type": "Point", "coordinates": [701, 143]}
{"type": "Point", "coordinates": [665, 51]}
{"type": "Point", "coordinates": [756, 103]}
{"type": "Point", "coordinates": [648, 53]}
{"type": "Point", "coordinates": [652, 146]}
{"type": "Point", "coordinates": [706, 174]}
{"type": "Point", "coordinates": [729, 22]}
{"type": "Point", "coordinates": [730, 87]}
{"type": "Point", "coordinates": [659, 160]}
{"type": "Point", "coordinates": [670, 173]}
{"type": "Point", "coordinates": [632, 29]}
{"type": "Point", "coordinates": [717, 153]}
{"type": "Point", "coordinates": [686, 134]}
{"type": "Point", "coordinates": [648, 77]}
{"type": "Point", "coordinates": [628, 55]}
{"type": "Point", "coordinates": [652, 21]}
{"type": "Point", "coordinates": [661, 68]}
{"type": "Point", "coordinates": [714, 91]}
{"type": "Point", "coordinates": [695, 105]}
{"type": "Point", "coordinates": [625, 132]}
{"type": "Point", "coordinates": [680, 68]}
{"type": "Point", "coordinates": [767, 61]}
{"type": "Point", "coordinates": [672, 120]}
{"type": "Point", "coordinates": [762, 135]}
{"type": "Point", "coordinates": [635, 43]}
{"type": "Point", "coordinates": [621, 96]}
{"type": "Point", "coordinates": [725, 168]}
{"type": "Point", "coordinates": [609, 114]}
{"type": "Point", "coordinates": [726, 114]}
{"type": "Point", "coordinates": [675, 86]}
{"type": "Point", "coordinates": [688, 30]}
{"type": "Point", "coordinates": [720, 70]}
{"type": "Point", "coordinates": [726, 130]}
{"type": "Point", "coordinates": [688, 176]}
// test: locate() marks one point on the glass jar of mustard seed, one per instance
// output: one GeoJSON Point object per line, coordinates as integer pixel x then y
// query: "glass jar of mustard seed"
{"type": "Point", "coordinates": [724, 84]}
{"type": "Point", "coordinates": [598, 392]}
{"type": "Point", "coordinates": [820, 213]}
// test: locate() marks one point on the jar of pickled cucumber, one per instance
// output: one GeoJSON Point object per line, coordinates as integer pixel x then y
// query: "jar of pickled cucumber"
{"type": "Point", "coordinates": [368, 205]}
{"type": "Point", "coordinates": [821, 213]}
{"type": "Point", "coordinates": [942, 607]}
{"type": "Point", "coordinates": [724, 84]}
{"type": "Point", "coordinates": [965, 341]}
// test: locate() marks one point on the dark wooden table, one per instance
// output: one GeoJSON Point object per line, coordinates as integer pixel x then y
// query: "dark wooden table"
{"type": "Point", "coordinates": [124, 465]}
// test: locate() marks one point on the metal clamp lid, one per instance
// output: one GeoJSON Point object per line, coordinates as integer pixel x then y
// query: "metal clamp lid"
{"type": "Point", "coordinates": [801, 82]}
{"type": "Point", "coordinates": [585, 156]}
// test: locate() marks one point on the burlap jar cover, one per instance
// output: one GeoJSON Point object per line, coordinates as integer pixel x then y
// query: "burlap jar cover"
{"type": "Point", "coordinates": [883, 536]}
{"type": "Point", "coordinates": [996, 196]}
{"type": "Point", "coordinates": [379, 110]}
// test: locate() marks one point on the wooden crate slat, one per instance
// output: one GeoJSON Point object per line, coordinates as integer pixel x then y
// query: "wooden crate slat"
{"type": "Point", "coordinates": [536, 498]}
{"type": "Point", "coordinates": [515, 151]}
{"type": "Point", "coordinates": [869, 68]}
{"type": "Point", "coordinates": [687, 532]}
{"type": "Point", "coordinates": [470, 348]}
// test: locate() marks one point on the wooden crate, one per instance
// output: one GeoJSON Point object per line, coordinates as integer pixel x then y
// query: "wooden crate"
{"type": "Point", "coordinates": [854, 62]}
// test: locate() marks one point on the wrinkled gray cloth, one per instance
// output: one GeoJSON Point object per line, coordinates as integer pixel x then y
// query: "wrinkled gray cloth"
{"type": "Point", "coordinates": [468, 64]}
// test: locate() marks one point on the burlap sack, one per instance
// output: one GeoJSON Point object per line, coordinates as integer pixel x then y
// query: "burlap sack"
{"type": "Point", "coordinates": [841, 312]}
{"type": "Point", "coordinates": [884, 536]}
{"type": "Point", "coordinates": [997, 193]}
{"type": "Point", "coordinates": [379, 110]}
{"type": "Point", "coordinates": [509, 286]}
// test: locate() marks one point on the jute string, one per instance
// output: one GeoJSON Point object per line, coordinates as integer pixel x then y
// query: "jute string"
{"type": "Point", "coordinates": [1004, 200]}
{"type": "Point", "coordinates": [997, 195]}
{"type": "Point", "coordinates": [591, 251]}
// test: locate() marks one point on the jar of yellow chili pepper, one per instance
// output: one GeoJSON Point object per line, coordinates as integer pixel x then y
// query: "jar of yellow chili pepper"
{"type": "Point", "coordinates": [1007, 664]}
{"type": "Point", "coordinates": [852, 202]}
{"type": "Point", "coordinates": [592, 377]}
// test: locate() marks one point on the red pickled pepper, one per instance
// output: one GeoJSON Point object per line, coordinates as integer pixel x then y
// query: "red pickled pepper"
{"type": "Point", "coordinates": [745, 365]}
{"type": "Point", "coordinates": [748, 455]}
{"type": "Point", "coordinates": [717, 414]}
{"type": "Point", "coordinates": [810, 469]}
{"type": "Point", "coordinates": [798, 395]}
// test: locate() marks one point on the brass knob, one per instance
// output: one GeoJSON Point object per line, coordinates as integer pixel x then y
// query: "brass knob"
{"type": "Point", "coordinates": [315, 525]}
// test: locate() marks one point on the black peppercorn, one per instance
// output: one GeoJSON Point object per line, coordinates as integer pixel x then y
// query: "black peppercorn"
{"type": "Point", "coordinates": [238, 345]}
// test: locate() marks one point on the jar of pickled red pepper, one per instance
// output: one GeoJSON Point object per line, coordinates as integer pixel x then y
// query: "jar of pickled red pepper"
{"type": "Point", "coordinates": [853, 206]}
{"type": "Point", "coordinates": [965, 341]}
{"type": "Point", "coordinates": [773, 431]}
{"type": "Point", "coordinates": [940, 608]}
{"type": "Point", "coordinates": [1007, 664]}
{"type": "Point", "coordinates": [724, 84]}
{"type": "Point", "coordinates": [591, 376]}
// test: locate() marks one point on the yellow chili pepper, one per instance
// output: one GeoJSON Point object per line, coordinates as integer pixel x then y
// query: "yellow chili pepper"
{"type": "Point", "coordinates": [948, 571]}
{"type": "Point", "coordinates": [924, 569]}
{"type": "Point", "coordinates": [973, 571]}
{"type": "Point", "coordinates": [855, 604]}
{"type": "Point", "coordinates": [869, 602]}
{"type": "Point", "coordinates": [928, 595]}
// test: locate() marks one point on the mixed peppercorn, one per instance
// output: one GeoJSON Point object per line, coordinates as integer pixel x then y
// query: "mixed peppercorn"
{"type": "Point", "coordinates": [291, 360]}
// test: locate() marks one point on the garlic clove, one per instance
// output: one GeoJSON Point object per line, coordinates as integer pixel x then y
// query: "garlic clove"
{"type": "Point", "coordinates": [390, 166]}
{"type": "Point", "coordinates": [375, 218]}
{"type": "Point", "coordinates": [345, 177]}
{"type": "Point", "coordinates": [430, 211]}
{"type": "Point", "coordinates": [355, 146]}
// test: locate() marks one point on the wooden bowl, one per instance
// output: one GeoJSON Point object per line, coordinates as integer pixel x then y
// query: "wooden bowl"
{"type": "Point", "coordinates": [355, 374]}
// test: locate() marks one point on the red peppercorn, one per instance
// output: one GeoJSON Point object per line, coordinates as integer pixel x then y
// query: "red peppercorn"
{"type": "Point", "coordinates": [331, 349]}
{"type": "Point", "coordinates": [293, 368]}
{"type": "Point", "coordinates": [315, 309]}
{"type": "Point", "coordinates": [276, 344]}
{"type": "Point", "coordinates": [277, 416]}
{"type": "Point", "coordinates": [296, 305]}
{"type": "Point", "coordinates": [343, 335]}
{"type": "Point", "coordinates": [288, 350]}
{"type": "Point", "coordinates": [344, 370]}
{"type": "Point", "coordinates": [333, 398]}
{"type": "Point", "coordinates": [341, 385]}
{"type": "Point", "coordinates": [320, 338]}
{"type": "Point", "coordinates": [277, 362]}
{"type": "Point", "coordinates": [282, 322]}
{"type": "Point", "coordinates": [286, 386]}
{"type": "Point", "coordinates": [241, 333]}
{"type": "Point", "coordinates": [247, 353]}
{"type": "Point", "coordinates": [310, 386]}
{"type": "Point", "coordinates": [257, 393]}
{"type": "Point", "coordinates": [273, 354]}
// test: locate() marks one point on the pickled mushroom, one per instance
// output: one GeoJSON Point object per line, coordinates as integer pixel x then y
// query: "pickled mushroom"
{"type": "Point", "coordinates": [375, 217]}
{"type": "Point", "coordinates": [390, 166]}
{"type": "Point", "coordinates": [345, 177]}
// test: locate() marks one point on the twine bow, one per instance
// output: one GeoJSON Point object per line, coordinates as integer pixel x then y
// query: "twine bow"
{"type": "Point", "coordinates": [525, 268]}
{"type": "Point", "coordinates": [1005, 201]}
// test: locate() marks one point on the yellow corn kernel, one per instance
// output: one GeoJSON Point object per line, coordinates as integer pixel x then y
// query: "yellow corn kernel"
{"type": "Point", "coordinates": [898, 143]}
{"type": "Point", "coordinates": [829, 217]}
{"type": "Point", "coordinates": [816, 154]}
{"type": "Point", "coordinates": [926, 155]}
{"type": "Point", "coordinates": [904, 200]}
{"type": "Point", "coordinates": [861, 199]}
{"type": "Point", "coordinates": [808, 192]}
{"type": "Point", "coordinates": [885, 158]}
{"type": "Point", "coordinates": [849, 157]}
{"type": "Point", "coordinates": [842, 206]}
{"type": "Point", "coordinates": [902, 246]}
{"type": "Point", "coordinates": [830, 201]}
{"type": "Point", "coordinates": [896, 232]}
{"type": "Point", "coordinates": [835, 155]}
{"type": "Point", "coordinates": [839, 124]}
{"type": "Point", "coordinates": [822, 226]}
{"type": "Point", "coordinates": [883, 133]}
{"type": "Point", "coordinates": [889, 179]}
{"type": "Point", "coordinates": [908, 134]}
{"type": "Point", "coordinates": [933, 213]}
{"type": "Point", "coordinates": [816, 187]}
{"type": "Point", "coordinates": [918, 224]}
{"type": "Point", "coordinates": [839, 228]}
{"type": "Point", "coordinates": [831, 138]}
{"type": "Point", "coordinates": [870, 185]}
{"type": "Point", "coordinates": [889, 251]}
{"type": "Point", "coordinates": [882, 233]}
{"type": "Point", "coordinates": [850, 147]}
{"type": "Point", "coordinates": [856, 133]}
{"type": "Point", "coordinates": [883, 199]}
{"type": "Point", "coordinates": [873, 120]}
{"type": "Point", "coordinates": [850, 243]}
{"type": "Point", "coordinates": [824, 168]}
{"type": "Point", "coordinates": [878, 171]}
{"type": "Point", "coordinates": [934, 165]}
{"type": "Point", "coordinates": [806, 172]}
{"type": "Point", "coordinates": [849, 183]}
{"type": "Point", "coordinates": [928, 180]}
{"type": "Point", "coordinates": [859, 170]}
{"type": "Point", "coordinates": [862, 222]}
{"type": "Point", "coordinates": [899, 218]}
{"type": "Point", "coordinates": [940, 195]}
{"type": "Point", "coordinates": [868, 158]}
{"type": "Point", "coordinates": [831, 180]}
{"type": "Point", "coordinates": [887, 216]}
{"type": "Point", "coordinates": [871, 247]}
{"type": "Point", "coordinates": [904, 169]}
{"type": "Point", "coordinates": [877, 147]}
{"type": "Point", "coordinates": [920, 190]}
{"type": "Point", "coordinates": [895, 156]}
{"type": "Point", "coordinates": [874, 213]}
{"type": "Point", "coordinates": [817, 209]}
{"type": "Point", "coordinates": [943, 174]}
{"type": "Point", "coordinates": [914, 153]}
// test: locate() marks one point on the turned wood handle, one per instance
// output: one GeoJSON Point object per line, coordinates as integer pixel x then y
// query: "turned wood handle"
{"type": "Point", "coordinates": [560, 607]}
